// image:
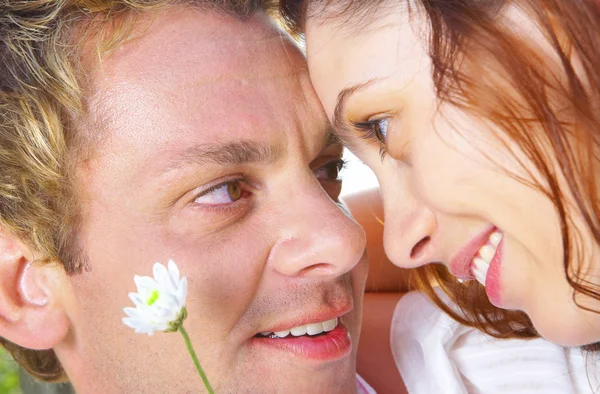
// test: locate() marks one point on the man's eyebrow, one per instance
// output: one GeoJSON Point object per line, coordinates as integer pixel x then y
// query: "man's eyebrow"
{"type": "Point", "coordinates": [331, 138]}
{"type": "Point", "coordinates": [232, 153]}
{"type": "Point", "coordinates": [339, 123]}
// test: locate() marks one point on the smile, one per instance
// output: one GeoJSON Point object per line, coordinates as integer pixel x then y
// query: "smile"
{"type": "Point", "coordinates": [484, 257]}
{"type": "Point", "coordinates": [306, 329]}
{"type": "Point", "coordinates": [325, 340]}
{"type": "Point", "coordinates": [481, 259]}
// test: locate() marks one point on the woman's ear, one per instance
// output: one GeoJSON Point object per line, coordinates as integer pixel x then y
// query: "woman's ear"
{"type": "Point", "coordinates": [32, 313]}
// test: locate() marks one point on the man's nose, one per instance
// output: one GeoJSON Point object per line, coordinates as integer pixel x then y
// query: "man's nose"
{"type": "Point", "coordinates": [316, 238]}
{"type": "Point", "coordinates": [410, 225]}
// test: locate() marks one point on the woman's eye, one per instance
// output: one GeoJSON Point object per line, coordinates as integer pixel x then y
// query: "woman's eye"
{"type": "Point", "coordinates": [374, 129]}
{"type": "Point", "coordinates": [380, 128]}
{"type": "Point", "coordinates": [330, 171]}
{"type": "Point", "coordinates": [222, 194]}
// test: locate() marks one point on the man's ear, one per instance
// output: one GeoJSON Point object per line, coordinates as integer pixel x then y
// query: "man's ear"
{"type": "Point", "coordinates": [32, 314]}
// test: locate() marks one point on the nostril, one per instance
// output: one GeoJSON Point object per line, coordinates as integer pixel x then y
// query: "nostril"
{"type": "Point", "coordinates": [317, 268]}
{"type": "Point", "coordinates": [418, 249]}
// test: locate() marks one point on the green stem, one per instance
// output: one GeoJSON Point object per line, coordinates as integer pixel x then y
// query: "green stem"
{"type": "Point", "coordinates": [195, 358]}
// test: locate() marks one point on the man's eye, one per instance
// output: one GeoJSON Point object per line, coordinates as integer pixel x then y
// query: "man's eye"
{"type": "Point", "coordinates": [330, 171]}
{"type": "Point", "coordinates": [225, 193]}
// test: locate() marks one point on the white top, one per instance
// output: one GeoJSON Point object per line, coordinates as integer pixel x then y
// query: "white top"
{"type": "Point", "coordinates": [437, 355]}
{"type": "Point", "coordinates": [363, 387]}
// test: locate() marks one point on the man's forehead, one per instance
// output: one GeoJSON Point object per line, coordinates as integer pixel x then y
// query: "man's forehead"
{"type": "Point", "coordinates": [190, 55]}
{"type": "Point", "coordinates": [194, 54]}
{"type": "Point", "coordinates": [211, 45]}
{"type": "Point", "coordinates": [194, 77]}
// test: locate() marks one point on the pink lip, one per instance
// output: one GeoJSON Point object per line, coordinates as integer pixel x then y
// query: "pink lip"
{"type": "Point", "coordinates": [317, 317]}
{"type": "Point", "coordinates": [492, 281]}
{"type": "Point", "coordinates": [329, 346]}
{"type": "Point", "coordinates": [460, 265]}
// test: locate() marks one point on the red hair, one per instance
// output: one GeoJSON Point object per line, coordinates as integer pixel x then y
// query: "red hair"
{"type": "Point", "coordinates": [551, 114]}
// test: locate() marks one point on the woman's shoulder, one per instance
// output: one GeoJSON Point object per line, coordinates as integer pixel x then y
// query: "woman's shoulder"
{"type": "Point", "coordinates": [420, 335]}
{"type": "Point", "coordinates": [414, 310]}
{"type": "Point", "coordinates": [434, 353]}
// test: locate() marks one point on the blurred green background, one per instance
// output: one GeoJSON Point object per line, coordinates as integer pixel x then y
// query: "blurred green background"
{"type": "Point", "coordinates": [9, 375]}
{"type": "Point", "coordinates": [15, 381]}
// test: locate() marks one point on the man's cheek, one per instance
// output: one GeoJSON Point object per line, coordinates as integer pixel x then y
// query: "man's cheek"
{"type": "Point", "coordinates": [225, 280]}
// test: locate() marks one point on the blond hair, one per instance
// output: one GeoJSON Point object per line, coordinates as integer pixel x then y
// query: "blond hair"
{"type": "Point", "coordinates": [42, 89]}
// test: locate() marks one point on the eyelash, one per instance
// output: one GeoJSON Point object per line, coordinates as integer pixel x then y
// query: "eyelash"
{"type": "Point", "coordinates": [369, 133]}
{"type": "Point", "coordinates": [339, 164]}
{"type": "Point", "coordinates": [223, 207]}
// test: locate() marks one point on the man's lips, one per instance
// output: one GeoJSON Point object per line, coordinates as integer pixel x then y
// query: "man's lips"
{"type": "Point", "coordinates": [331, 342]}
{"type": "Point", "coordinates": [328, 346]}
{"type": "Point", "coordinates": [310, 318]}
{"type": "Point", "coordinates": [460, 265]}
{"type": "Point", "coordinates": [325, 346]}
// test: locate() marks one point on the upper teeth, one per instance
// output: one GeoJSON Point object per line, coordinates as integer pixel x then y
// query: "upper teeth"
{"type": "Point", "coordinates": [481, 262]}
{"type": "Point", "coordinates": [310, 329]}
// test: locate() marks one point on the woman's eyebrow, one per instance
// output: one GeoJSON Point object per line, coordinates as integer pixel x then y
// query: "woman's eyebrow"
{"type": "Point", "coordinates": [339, 122]}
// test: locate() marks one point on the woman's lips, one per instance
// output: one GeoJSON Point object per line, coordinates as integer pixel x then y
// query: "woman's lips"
{"type": "Point", "coordinates": [493, 278]}
{"type": "Point", "coordinates": [460, 265]}
{"type": "Point", "coordinates": [481, 259]}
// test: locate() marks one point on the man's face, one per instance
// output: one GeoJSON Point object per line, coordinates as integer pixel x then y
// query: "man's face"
{"type": "Point", "coordinates": [214, 154]}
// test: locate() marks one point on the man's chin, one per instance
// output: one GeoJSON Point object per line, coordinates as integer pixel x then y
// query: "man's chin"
{"type": "Point", "coordinates": [296, 375]}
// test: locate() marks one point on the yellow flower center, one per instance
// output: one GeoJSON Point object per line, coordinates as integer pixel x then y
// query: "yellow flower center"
{"type": "Point", "coordinates": [153, 297]}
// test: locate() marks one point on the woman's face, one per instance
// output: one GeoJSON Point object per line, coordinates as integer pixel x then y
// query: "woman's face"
{"type": "Point", "coordinates": [452, 186]}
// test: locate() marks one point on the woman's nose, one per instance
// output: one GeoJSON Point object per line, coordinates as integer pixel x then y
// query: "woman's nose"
{"type": "Point", "coordinates": [410, 226]}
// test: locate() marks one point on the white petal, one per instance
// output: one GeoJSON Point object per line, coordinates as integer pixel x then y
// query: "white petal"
{"type": "Point", "coordinates": [136, 299]}
{"type": "Point", "coordinates": [163, 307]}
{"type": "Point", "coordinates": [169, 302]}
{"type": "Point", "coordinates": [140, 325]}
{"type": "Point", "coordinates": [149, 328]}
{"type": "Point", "coordinates": [159, 313]}
{"type": "Point", "coordinates": [160, 272]}
{"type": "Point", "coordinates": [132, 312]}
{"type": "Point", "coordinates": [173, 272]}
{"type": "Point", "coordinates": [166, 282]}
{"type": "Point", "coordinates": [164, 298]}
{"type": "Point", "coordinates": [146, 329]}
{"type": "Point", "coordinates": [145, 282]}
{"type": "Point", "coordinates": [129, 321]}
{"type": "Point", "coordinates": [182, 291]}
{"type": "Point", "coordinates": [166, 315]}
{"type": "Point", "coordinates": [138, 281]}
{"type": "Point", "coordinates": [132, 322]}
{"type": "Point", "coordinates": [163, 326]}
